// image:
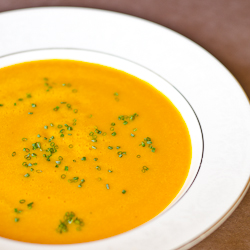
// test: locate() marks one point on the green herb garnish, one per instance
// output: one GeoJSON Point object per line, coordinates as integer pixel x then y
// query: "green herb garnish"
{"type": "Point", "coordinates": [30, 205]}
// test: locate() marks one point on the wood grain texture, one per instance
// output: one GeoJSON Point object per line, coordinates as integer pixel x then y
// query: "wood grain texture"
{"type": "Point", "coordinates": [220, 26]}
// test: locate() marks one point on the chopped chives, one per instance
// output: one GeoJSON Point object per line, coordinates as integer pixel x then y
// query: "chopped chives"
{"type": "Point", "coordinates": [30, 113]}
{"type": "Point", "coordinates": [14, 153]}
{"type": "Point", "coordinates": [112, 128]}
{"type": "Point", "coordinates": [66, 168]}
{"type": "Point", "coordinates": [24, 139]}
{"type": "Point", "coordinates": [16, 219]}
{"type": "Point", "coordinates": [118, 147]}
{"type": "Point", "coordinates": [51, 124]}
{"type": "Point", "coordinates": [113, 134]}
{"type": "Point", "coordinates": [95, 159]}
{"type": "Point", "coordinates": [94, 147]}
{"type": "Point", "coordinates": [132, 135]}
{"type": "Point", "coordinates": [38, 136]}
{"type": "Point", "coordinates": [63, 176]}
{"type": "Point", "coordinates": [75, 110]}
{"type": "Point", "coordinates": [46, 127]}
{"type": "Point", "coordinates": [33, 105]}
{"type": "Point", "coordinates": [39, 171]}
{"type": "Point", "coordinates": [98, 168]}
{"type": "Point", "coordinates": [27, 157]}
{"type": "Point", "coordinates": [138, 156]}
{"type": "Point", "coordinates": [30, 205]}
{"type": "Point", "coordinates": [110, 171]}
{"type": "Point", "coordinates": [107, 186]}
{"type": "Point", "coordinates": [109, 147]}
{"type": "Point", "coordinates": [22, 201]}
{"type": "Point", "coordinates": [17, 211]}
{"type": "Point", "coordinates": [123, 191]}
{"type": "Point", "coordinates": [70, 146]}
{"type": "Point", "coordinates": [83, 159]}
{"type": "Point", "coordinates": [60, 158]}
{"type": "Point", "coordinates": [26, 175]}
{"type": "Point", "coordinates": [112, 124]}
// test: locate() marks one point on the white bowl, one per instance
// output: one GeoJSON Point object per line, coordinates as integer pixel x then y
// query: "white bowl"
{"type": "Point", "coordinates": [145, 74]}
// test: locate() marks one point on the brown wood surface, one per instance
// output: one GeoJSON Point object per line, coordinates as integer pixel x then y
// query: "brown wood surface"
{"type": "Point", "coordinates": [220, 26]}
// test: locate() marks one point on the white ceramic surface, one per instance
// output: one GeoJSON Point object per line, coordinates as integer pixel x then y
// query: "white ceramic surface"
{"type": "Point", "coordinates": [215, 95]}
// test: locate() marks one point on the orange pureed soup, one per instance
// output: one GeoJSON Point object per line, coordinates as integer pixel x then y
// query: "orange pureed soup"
{"type": "Point", "coordinates": [87, 152]}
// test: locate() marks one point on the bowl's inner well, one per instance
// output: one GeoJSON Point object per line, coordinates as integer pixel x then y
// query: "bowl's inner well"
{"type": "Point", "coordinates": [140, 72]}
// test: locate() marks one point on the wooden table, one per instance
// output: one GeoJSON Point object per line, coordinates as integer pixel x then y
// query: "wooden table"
{"type": "Point", "coordinates": [220, 26]}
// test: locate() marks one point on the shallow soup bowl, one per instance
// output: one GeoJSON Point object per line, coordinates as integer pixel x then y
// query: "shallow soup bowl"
{"type": "Point", "coordinates": [125, 240]}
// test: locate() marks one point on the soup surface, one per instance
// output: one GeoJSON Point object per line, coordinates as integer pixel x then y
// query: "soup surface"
{"type": "Point", "coordinates": [87, 152]}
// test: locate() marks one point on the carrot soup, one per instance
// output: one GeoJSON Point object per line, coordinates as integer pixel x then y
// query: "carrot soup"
{"type": "Point", "coordinates": [87, 152]}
